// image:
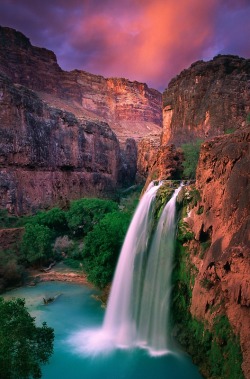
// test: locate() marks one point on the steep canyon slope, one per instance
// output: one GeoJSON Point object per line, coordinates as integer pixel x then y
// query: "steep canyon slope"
{"type": "Point", "coordinates": [210, 102]}
{"type": "Point", "coordinates": [221, 225]}
{"type": "Point", "coordinates": [206, 100]}
{"type": "Point", "coordinates": [65, 135]}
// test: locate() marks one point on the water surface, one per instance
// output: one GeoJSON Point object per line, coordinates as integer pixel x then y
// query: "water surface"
{"type": "Point", "coordinates": [76, 311]}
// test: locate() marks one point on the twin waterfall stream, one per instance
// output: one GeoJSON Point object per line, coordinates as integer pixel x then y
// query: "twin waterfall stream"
{"type": "Point", "coordinates": [138, 307]}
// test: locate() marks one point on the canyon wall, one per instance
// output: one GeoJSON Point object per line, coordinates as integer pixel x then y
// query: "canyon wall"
{"type": "Point", "coordinates": [206, 100]}
{"type": "Point", "coordinates": [221, 223]}
{"type": "Point", "coordinates": [66, 135]}
{"type": "Point", "coordinates": [213, 263]}
{"type": "Point", "coordinates": [130, 108]}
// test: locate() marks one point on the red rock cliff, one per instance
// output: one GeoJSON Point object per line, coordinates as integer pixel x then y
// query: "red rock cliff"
{"type": "Point", "coordinates": [55, 142]}
{"type": "Point", "coordinates": [206, 100]}
{"type": "Point", "coordinates": [49, 156]}
{"type": "Point", "coordinates": [131, 108]}
{"type": "Point", "coordinates": [221, 225]}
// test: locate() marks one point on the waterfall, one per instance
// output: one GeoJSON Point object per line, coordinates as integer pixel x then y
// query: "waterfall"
{"type": "Point", "coordinates": [138, 307]}
{"type": "Point", "coordinates": [119, 322]}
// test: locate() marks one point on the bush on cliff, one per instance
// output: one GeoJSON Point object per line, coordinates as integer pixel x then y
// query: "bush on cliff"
{"type": "Point", "coordinates": [191, 153]}
{"type": "Point", "coordinates": [23, 345]}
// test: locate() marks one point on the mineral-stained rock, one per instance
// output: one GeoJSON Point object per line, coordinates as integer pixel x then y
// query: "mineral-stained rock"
{"type": "Point", "coordinates": [158, 162]}
{"type": "Point", "coordinates": [131, 108]}
{"type": "Point", "coordinates": [49, 156]}
{"type": "Point", "coordinates": [55, 143]}
{"type": "Point", "coordinates": [206, 100]}
{"type": "Point", "coordinates": [221, 224]}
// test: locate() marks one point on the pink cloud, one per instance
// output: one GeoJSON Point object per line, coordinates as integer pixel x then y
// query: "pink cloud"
{"type": "Point", "coordinates": [144, 40]}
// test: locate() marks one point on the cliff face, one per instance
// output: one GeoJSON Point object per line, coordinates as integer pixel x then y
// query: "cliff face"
{"type": "Point", "coordinates": [206, 100]}
{"type": "Point", "coordinates": [157, 161]}
{"type": "Point", "coordinates": [49, 156]}
{"type": "Point", "coordinates": [221, 225]}
{"type": "Point", "coordinates": [132, 109]}
{"type": "Point", "coordinates": [65, 135]}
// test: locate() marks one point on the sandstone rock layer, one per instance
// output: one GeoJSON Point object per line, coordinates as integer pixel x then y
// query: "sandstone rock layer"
{"type": "Point", "coordinates": [207, 100]}
{"type": "Point", "coordinates": [221, 225]}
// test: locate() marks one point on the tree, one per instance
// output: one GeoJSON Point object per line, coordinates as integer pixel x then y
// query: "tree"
{"type": "Point", "coordinates": [36, 243]}
{"type": "Point", "coordinates": [102, 247]}
{"type": "Point", "coordinates": [54, 219]}
{"type": "Point", "coordinates": [85, 213]}
{"type": "Point", "coordinates": [23, 345]}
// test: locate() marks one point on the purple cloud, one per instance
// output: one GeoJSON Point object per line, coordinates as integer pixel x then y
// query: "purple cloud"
{"type": "Point", "coordinates": [141, 40]}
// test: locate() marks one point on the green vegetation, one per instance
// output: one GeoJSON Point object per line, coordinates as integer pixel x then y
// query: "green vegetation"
{"type": "Point", "coordinates": [83, 214]}
{"type": "Point", "coordinates": [36, 244]}
{"type": "Point", "coordinates": [88, 236]}
{"type": "Point", "coordinates": [215, 349]}
{"type": "Point", "coordinates": [191, 155]}
{"type": "Point", "coordinates": [102, 246]}
{"type": "Point", "coordinates": [11, 269]}
{"type": "Point", "coordinates": [229, 131]}
{"type": "Point", "coordinates": [23, 345]}
{"type": "Point", "coordinates": [248, 118]}
{"type": "Point", "coordinates": [163, 195]}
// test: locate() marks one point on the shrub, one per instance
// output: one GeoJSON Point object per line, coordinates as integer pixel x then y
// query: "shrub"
{"type": "Point", "coordinates": [11, 272]}
{"type": "Point", "coordinates": [191, 153]}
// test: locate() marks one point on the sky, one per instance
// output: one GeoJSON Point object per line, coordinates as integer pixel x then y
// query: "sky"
{"type": "Point", "coordinates": [150, 41]}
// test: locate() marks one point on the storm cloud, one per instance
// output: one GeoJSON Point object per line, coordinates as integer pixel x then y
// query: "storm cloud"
{"type": "Point", "coordinates": [144, 40]}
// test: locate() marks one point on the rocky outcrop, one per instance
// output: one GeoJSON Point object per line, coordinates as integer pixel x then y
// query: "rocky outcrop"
{"type": "Point", "coordinates": [49, 156]}
{"type": "Point", "coordinates": [221, 225]}
{"type": "Point", "coordinates": [158, 162]}
{"type": "Point", "coordinates": [207, 100]}
{"type": "Point", "coordinates": [10, 239]}
{"type": "Point", "coordinates": [131, 108]}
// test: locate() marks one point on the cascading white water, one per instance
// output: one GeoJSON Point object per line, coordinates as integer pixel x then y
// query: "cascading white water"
{"type": "Point", "coordinates": [138, 307]}
{"type": "Point", "coordinates": [119, 323]}
{"type": "Point", "coordinates": [152, 328]}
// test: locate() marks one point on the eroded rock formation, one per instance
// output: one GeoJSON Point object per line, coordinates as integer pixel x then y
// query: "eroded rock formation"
{"type": "Point", "coordinates": [65, 135]}
{"type": "Point", "coordinates": [221, 225]}
{"type": "Point", "coordinates": [158, 162]}
{"type": "Point", "coordinates": [206, 100]}
{"type": "Point", "coordinates": [48, 155]}
{"type": "Point", "coordinates": [131, 108]}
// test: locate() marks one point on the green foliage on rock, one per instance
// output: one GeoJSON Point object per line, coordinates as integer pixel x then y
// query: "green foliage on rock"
{"type": "Point", "coordinates": [102, 246]}
{"type": "Point", "coordinates": [6, 220]}
{"type": "Point", "coordinates": [191, 153]}
{"type": "Point", "coordinates": [23, 345]}
{"type": "Point", "coordinates": [215, 349]}
{"type": "Point", "coordinates": [163, 195]}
